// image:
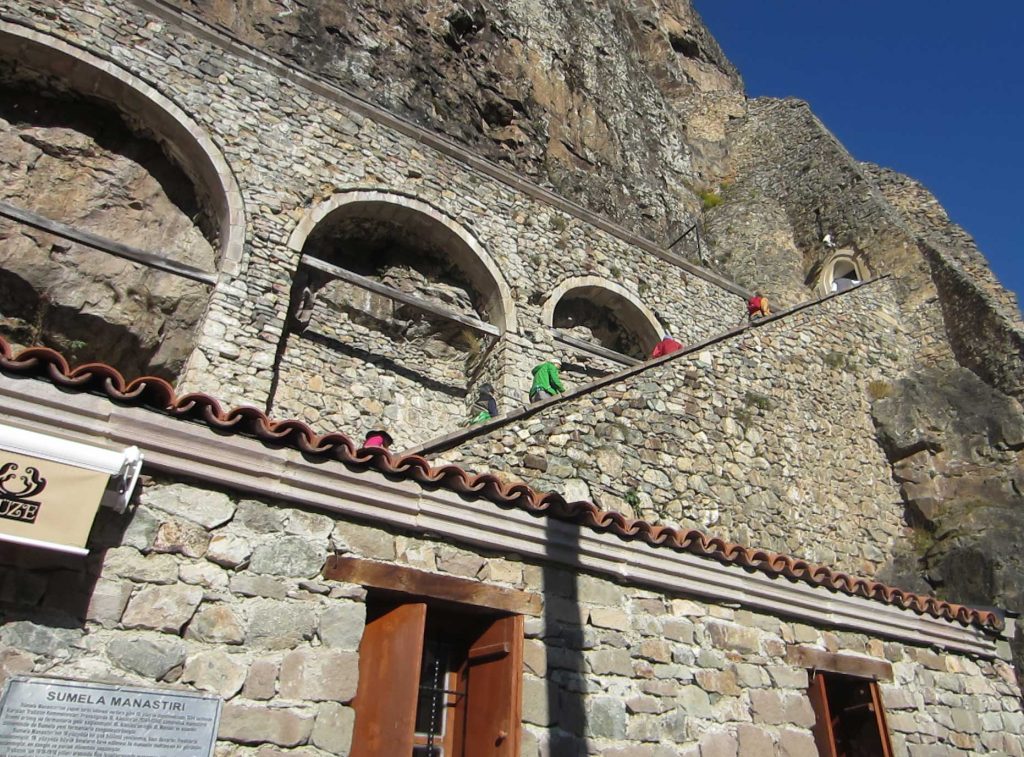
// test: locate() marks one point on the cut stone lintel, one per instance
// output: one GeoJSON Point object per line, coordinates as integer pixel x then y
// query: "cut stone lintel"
{"type": "Point", "coordinates": [390, 292]}
{"type": "Point", "coordinates": [377, 575]}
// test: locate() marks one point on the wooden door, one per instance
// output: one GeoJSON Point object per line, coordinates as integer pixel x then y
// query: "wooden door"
{"type": "Point", "coordinates": [494, 690]}
{"type": "Point", "coordinates": [389, 676]}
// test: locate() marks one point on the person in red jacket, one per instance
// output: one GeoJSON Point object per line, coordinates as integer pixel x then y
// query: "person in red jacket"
{"type": "Point", "coordinates": [666, 346]}
{"type": "Point", "coordinates": [757, 307]}
{"type": "Point", "coordinates": [377, 438]}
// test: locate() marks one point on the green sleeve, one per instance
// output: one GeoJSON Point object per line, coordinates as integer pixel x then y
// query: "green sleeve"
{"type": "Point", "coordinates": [555, 381]}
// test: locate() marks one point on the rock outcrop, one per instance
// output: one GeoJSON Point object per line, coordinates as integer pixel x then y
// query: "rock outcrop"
{"type": "Point", "coordinates": [620, 107]}
{"type": "Point", "coordinates": [79, 164]}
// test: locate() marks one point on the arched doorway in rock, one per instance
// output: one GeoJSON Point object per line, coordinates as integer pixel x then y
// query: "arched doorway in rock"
{"type": "Point", "coordinates": [842, 271]}
{"type": "Point", "coordinates": [602, 324]}
{"type": "Point", "coordinates": [97, 161]}
{"type": "Point", "coordinates": [394, 317]}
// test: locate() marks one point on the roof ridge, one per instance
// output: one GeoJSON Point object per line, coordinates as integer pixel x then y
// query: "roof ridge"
{"type": "Point", "coordinates": [157, 394]}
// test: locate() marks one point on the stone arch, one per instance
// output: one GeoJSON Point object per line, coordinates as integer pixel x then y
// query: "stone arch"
{"type": "Point", "coordinates": [185, 142]}
{"type": "Point", "coordinates": [436, 229]}
{"type": "Point", "coordinates": [621, 307]}
{"type": "Point", "coordinates": [843, 269]}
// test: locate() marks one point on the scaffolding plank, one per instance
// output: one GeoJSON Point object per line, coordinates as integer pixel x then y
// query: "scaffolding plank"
{"type": "Point", "coordinates": [394, 294]}
{"type": "Point", "coordinates": [109, 246]}
{"type": "Point", "coordinates": [594, 349]}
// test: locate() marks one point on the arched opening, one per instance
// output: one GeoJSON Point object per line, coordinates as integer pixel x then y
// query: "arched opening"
{"type": "Point", "coordinates": [389, 292]}
{"type": "Point", "coordinates": [844, 275]}
{"type": "Point", "coordinates": [602, 323]}
{"type": "Point", "coordinates": [843, 270]}
{"type": "Point", "coordinates": [98, 155]}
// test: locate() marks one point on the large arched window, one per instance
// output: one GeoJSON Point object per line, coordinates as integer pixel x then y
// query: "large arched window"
{"type": "Point", "coordinates": [589, 314]}
{"type": "Point", "coordinates": [389, 291]}
{"type": "Point", "coordinates": [117, 211]}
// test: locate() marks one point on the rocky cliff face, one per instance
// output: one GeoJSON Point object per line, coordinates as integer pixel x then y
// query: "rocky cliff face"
{"type": "Point", "coordinates": [78, 163]}
{"type": "Point", "coordinates": [620, 107]}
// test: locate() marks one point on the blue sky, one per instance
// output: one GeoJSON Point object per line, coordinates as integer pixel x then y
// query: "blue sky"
{"type": "Point", "coordinates": [933, 89]}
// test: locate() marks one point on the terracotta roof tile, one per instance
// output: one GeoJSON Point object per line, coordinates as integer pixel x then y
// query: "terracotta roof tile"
{"type": "Point", "coordinates": [159, 395]}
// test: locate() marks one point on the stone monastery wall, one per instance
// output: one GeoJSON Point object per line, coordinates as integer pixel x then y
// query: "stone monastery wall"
{"type": "Point", "coordinates": [219, 593]}
{"type": "Point", "coordinates": [764, 438]}
{"type": "Point", "coordinates": [297, 152]}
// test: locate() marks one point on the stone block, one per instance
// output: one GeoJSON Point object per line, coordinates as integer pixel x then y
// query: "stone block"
{"type": "Point", "coordinates": [208, 509]}
{"type": "Point", "coordinates": [363, 541]}
{"type": "Point", "coordinates": [250, 585]}
{"type": "Point", "coordinates": [535, 657]}
{"type": "Point", "coordinates": [258, 517]}
{"type": "Point", "coordinates": [721, 744]}
{"type": "Point", "coordinates": [162, 608]}
{"type": "Point", "coordinates": [141, 529]}
{"type": "Point", "coordinates": [536, 703]}
{"type": "Point", "coordinates": [610, 662]}
{"type": "Point", "coordinates": [797, 744]}
{"type": "Point", "coordinates": [502, 571]}
{"type": "Point", "coordinates": [278, 625]}
{"type": "Point", "coordinates": [341, 625]}
{"type": "Point", "coordinates": [14, 662]}
{"type": "Point", "coordinates": [228, 550]}
{"type": "Point", "coordinates": [786, 677]}
{"type": "Point", "coordinates": [291, 556]}
{"type": "Point", "coordinates": [655, 650]}
{"type": "Point", "coordinates": [678, 630]}
{"type": "Point", "coordinates": [608, 617]}
{"type": "Point", "coordinates": [734, 637]}
{"type": "Point", "coordinates": [254, 724]}
{"type": "Point", "coordinates": [598, 591]}
{"type": "Point", "coordinates": [149, 657]}
{"type": "Point", "coordinates": [781, 708]}
{"type": "Point", "coordinates": [332, 731]}
{"type": "Point", "coordinates": [319, 675]}
{"type": "Point", "coordinates": [203, 574]}
{"type": "Point", "coordinates": [216, 624]}
{"type": "Point", "coordinates": [129, 563]}
{"type": "Point", "coordinates": [180, 537]}
{"type": "Point", "coordinates": [311, 526]}
{"type": "Point", "coordinates": [51, 641]}
{"type": "Point", "coordinates": [459, 562]}
{"type": "Point", "coordinates": [718, 681]}
{"type": "Point", "coordinates": [606, 717]}
{"type": "Point", "coordinates": [217, 672]}
{"type": "Point", "coordinates": [261, 680]}
{"type": "Point", "coordinates": [107, 603]}
{"type": "Point", "coordinates": [754, 741]}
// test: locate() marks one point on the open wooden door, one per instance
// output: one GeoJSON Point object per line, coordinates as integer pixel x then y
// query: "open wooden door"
{"type": "Point", "coordinates": [389, 675]}
{"type": "Point", "coordinates": [824, 735]}
{"type": "Point", "coordinates": [494, 690]}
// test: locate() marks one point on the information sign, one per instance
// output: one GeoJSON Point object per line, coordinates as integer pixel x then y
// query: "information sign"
{"type": "Point", "coordinates": [52, 717]}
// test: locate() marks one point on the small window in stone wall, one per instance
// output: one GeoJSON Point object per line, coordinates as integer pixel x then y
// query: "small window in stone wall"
{"type": "Point", "coordinates": [849, 717]}
{"type": "Point", "coordinates": [437, 682]}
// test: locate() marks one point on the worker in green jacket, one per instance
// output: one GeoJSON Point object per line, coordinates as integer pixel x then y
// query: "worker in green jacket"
{"type": "Point", "coordinates": [546, 382]}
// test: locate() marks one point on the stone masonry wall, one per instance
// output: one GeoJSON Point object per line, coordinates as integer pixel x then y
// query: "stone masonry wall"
{"type": "Point", "coordinates": [291, 148]}
{"type": "Point", "coordinates": [765, 438]}
{"type": "Point", "coordinates": [197, 589]}
{"type": "Point", "coordinates": [783, 157]}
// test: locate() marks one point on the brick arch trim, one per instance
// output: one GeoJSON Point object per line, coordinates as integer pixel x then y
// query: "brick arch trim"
{"type": "Point", "coordinates": [188, 144]}
{"type": "Point", "coordinates": [635, 313]}
{"type": "Point", "coordinates": [505, 318]}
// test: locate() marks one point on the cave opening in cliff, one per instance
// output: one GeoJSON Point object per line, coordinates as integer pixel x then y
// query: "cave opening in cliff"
{"type": "Point", "coordinates": [77, 161]}
{"type": "Point", "coordinates": [600, 316]}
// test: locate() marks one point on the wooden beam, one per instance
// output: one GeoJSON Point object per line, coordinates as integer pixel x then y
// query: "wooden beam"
{"type": "Point", "coordinates": [845, 664]}
{"type": "Point", "coordinates": [419, 583]}
{"type": "Point", "coordinates": [394, 294]}
{"type": "Point", "coordinates": [594, 349]}
{"type": "Point", "coordinates": [96, 242]}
